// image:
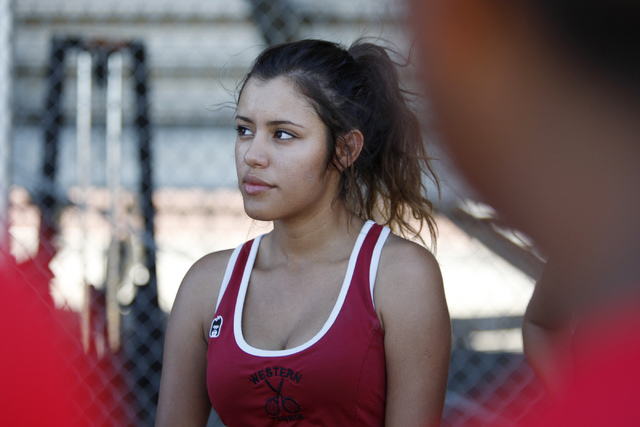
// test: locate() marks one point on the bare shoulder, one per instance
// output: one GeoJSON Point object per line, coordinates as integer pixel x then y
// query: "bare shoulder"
{"type": "Point", "coordinates": [408, 277]}
{"type": "Point", "coordinates": [204, 272]}
{"type": "Point", "coordinates": [403, 260]}
{"type": "Point", "coordinates": [198, 292]}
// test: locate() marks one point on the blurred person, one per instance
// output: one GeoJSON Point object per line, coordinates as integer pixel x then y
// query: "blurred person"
{"type": "Point", "coordinates": [538, 103]}
{"type": "Point", "coordinates": [45, 376]}
{"type": "Point", "coordinates": [35, 382]}
{"type": "Point", "coordinates": [329, 319]}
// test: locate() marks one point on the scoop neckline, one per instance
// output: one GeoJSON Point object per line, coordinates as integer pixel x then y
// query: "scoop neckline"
{"type": "Point", "coordinates": [244, 285]}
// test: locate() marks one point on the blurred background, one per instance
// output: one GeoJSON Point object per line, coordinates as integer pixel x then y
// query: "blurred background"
{"type": "Point", "coordinates": [117, 173]}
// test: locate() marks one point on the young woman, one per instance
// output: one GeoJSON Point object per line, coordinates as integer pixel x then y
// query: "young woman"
{"type": "Point", "coordinates": [329, 319]}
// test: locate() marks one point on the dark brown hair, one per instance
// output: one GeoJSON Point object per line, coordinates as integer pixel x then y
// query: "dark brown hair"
{"type": "Point", "coordinates": [603, 33]}
{"type": "Point", "coordinates": [359, 89]}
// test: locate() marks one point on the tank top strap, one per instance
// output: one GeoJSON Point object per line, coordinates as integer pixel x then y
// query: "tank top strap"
{"type": "Point", "coordinates": [368, 260]}
{"type": "Point", "coordinates": [233, 276]}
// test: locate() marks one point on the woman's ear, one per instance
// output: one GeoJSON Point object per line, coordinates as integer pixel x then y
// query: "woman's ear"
{"type": "Point", "coordinates": [348, 149]}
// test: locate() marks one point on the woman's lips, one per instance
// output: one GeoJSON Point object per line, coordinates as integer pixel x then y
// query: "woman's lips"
{"type": "Point", "coordinates": [253, 185]}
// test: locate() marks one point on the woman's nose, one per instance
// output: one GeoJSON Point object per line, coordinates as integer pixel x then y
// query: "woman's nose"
{"type": "Point", "coordinates": [256, 154]}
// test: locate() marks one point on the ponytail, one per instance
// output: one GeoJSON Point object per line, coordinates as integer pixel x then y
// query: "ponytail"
{"type": "Point", "coordinates": [387, 183]}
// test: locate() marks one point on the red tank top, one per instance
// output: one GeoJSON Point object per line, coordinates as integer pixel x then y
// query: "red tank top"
{"type": "Point", "coordinates": [337, 378]}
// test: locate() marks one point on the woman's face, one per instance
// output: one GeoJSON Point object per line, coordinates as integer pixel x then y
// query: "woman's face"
{"type": "Point", "coordinates": [281, 153]}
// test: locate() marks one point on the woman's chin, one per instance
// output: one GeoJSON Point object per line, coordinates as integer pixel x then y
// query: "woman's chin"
{"type": "Point", "coordinates": [258, 214]}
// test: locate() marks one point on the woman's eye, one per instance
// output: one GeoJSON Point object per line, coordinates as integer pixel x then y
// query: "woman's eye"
{"type": "Point", "coordinates": [243, 131]}
{"type": "Point", "coordinates": [283, 134]}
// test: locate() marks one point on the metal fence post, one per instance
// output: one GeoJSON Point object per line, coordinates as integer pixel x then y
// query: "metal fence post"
{"type": "Point", "coordinates": [6, 64]}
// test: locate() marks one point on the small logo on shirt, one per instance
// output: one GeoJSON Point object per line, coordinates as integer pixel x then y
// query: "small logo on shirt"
{"type": "Point", "coordinates": [273, 405]}
{"type": "Point", "coordinates": [216, 326]}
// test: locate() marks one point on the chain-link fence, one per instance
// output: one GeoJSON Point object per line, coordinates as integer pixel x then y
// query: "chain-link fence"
{"type": "Point", "coordinates": [117, 147]}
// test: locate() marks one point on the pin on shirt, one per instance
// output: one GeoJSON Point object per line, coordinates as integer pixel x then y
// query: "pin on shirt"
{"type": "Point", "coordinates": [216, 326]}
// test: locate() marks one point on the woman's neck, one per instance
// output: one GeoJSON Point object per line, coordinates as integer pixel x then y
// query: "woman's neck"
{"type": "Point", "coordinates": [325, 237]}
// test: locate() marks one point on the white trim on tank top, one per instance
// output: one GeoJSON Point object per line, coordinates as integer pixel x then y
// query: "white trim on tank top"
{"type": "Point", "coordinates": [242, 292]}
{"type": "Point", "coordinates": [375, 260]}
{"type": "Point", "coordinates": [227, 274]}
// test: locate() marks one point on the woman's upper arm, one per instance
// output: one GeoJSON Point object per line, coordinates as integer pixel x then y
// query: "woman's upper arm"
{"type": "Point", "coordinates": [183, 396]}
{"type": "Point", "coordinates": [411, 302]}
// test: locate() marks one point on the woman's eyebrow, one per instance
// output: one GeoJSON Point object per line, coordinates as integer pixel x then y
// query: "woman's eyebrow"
{"type": "Point", "coordinates": [244, 119]}
{"type": "Point", "coordinates": [271, 122]}
{"type": "Point", "coordinates": [283, 122]}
